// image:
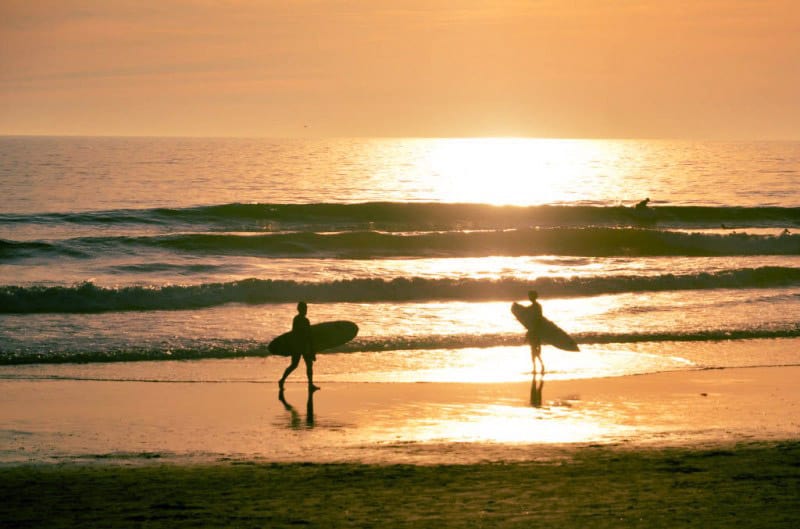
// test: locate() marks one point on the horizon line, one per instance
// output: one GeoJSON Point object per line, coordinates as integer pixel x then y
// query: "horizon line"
{"type": "Point", "coordinates": [393, 137]}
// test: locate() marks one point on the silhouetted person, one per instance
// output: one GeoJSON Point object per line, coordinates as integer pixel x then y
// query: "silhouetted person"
{"type": "Point", "coordinates": [643, 204]}
{"type": "Point", "coordinates": [301, 342]}
{"type": "Point", "coordinates": [533, 336]}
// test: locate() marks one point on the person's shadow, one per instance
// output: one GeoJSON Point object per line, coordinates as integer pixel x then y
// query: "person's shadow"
{"type": "Point", "coordinates": [296, 422]}
{"type": "Point", "coordinates": [537, 383]}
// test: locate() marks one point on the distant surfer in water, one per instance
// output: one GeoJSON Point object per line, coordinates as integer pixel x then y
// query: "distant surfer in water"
{"type": "Point", "coordinates": [301, 336]}
{"type": "Point", "coordinates": [643, 213]}
{"type": "Point", "coordinates": [533, 336]}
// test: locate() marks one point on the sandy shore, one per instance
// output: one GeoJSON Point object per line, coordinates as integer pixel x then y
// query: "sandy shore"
{"type": "Point", "coordinates": [714, 448]}
{"type": "Point", "coordinates": [72, 420]}
{"type": "Point", "coordinates": [756, 485]}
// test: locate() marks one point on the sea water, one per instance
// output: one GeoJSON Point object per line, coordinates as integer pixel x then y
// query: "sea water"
{"type": "Point", "coordinates": [179, 259]}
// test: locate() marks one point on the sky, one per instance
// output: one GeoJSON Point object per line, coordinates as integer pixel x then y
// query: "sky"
{"type": "Point", "coordinates": [696, 69]}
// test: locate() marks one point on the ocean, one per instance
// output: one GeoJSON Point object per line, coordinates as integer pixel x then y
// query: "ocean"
{"type": "Point", "coordinates": [180, 259]}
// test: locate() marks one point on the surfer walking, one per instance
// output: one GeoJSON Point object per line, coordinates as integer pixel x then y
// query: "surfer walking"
{"type": "Point", "coordinates": [533, 336]}
{"type": "Point", "coordinates": [301, 338]}
{"type": "Point", "coordinates": [540, 330]}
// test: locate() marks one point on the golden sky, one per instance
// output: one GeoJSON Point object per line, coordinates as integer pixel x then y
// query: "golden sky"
{"type": "Point", "coordinates": [552, 68]}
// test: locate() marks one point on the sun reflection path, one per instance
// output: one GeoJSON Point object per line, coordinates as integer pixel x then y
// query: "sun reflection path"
{"type": "Point", "coordinates": [504, 364]}
{"type": "Point", "coordinates": [493, 418]}
{"type": "Point", "coordinates": [490, 408]}
{"type": "Point", "coordinates": [510, 424]}
{"type": "Point", "coordinates": [516, 171]}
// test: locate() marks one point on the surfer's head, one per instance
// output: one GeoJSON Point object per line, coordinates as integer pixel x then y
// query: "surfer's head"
{"type": "Point", "coordinates": [302, 308]}
{"type": "Point", "coordinates": [532, 295]}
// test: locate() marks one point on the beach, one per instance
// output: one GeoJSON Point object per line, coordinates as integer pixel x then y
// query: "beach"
{"type": "Point", "coordinates": [707, 448]}
{"type": "Point", "coordinates": [137, 388]}
{"type": "Point", "coordinates": [541, 258]}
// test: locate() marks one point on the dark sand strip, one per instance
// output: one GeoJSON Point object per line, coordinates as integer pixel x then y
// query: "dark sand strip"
{"type": "Point", "coordinates": [753, 485]}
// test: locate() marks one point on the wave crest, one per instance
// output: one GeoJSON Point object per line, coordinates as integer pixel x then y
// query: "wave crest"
{"type": "Point", "coordinates": [88, 297]}
{"type": "Point", "coordinates": [596, 242]}
{"type": "Point", "coordinates": [421, 215]}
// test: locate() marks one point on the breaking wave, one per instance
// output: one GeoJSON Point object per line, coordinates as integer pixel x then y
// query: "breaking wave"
{"type": "Point", "coordinates": [406, 216]}
{"type": "Point", "coordinates": [88, 297]}
{"type": "Point", "coordinates": [597, 242]}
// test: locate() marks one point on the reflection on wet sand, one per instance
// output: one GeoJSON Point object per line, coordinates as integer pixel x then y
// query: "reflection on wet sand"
{"type": "Point", "coordinates": [537, 384]}
{"type": "Point", "coordinates": [435, 422]}
{"type": "Point", "coordinates": [611, 410]}
{"type": "Point", "coordinates": [295, 421]}
{"type": "Point", "coordinates": [495, 413]}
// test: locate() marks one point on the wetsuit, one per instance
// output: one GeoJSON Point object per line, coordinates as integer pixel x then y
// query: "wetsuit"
{"type": "Point", "coordinates": [301, 334]}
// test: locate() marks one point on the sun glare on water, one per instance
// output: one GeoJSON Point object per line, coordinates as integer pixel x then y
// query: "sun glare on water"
{"type": "Point", "coordinates": [511, 171]}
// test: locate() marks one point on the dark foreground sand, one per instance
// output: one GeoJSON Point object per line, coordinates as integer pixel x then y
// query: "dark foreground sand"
{"type": "Point", "coordinates": [752, 485]}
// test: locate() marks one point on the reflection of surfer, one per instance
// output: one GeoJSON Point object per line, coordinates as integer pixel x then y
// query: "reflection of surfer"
{"type": "Point", "coordinates": [301, 337]}
{"type": "Point", "coordinates": [533, 336]}
{"type": "Point", "coordinates": [295, 417]}
{"type": "Point", "coordinates": [537, 383]}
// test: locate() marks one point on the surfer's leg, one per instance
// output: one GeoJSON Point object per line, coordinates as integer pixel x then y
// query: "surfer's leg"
{"type": "Point", "coordinates": [309, 360]}
{"type": "Point", "coordinates": [292, 367]}
{"type": "Point", "coordinates": [539, 355]}
{"type": "Point", "coordinates": [536, 352]}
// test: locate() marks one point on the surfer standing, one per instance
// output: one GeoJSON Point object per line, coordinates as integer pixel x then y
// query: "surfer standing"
{"type": "Point", "coordinates": [301, 338]}
{"type": "Point", "coordinates": [533, 335]}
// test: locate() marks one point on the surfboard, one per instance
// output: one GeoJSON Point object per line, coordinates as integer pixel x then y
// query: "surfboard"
{"type": "Point", "coordinates": [549, 332]}
{"type": "Point", "coordinates": [325, 335]}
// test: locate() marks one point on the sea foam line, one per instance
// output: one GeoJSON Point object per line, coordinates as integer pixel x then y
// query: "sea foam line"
{"type": "Point", "coordinates": [593, 241]}
{"type": "Point", "coordinates": [384, 344]}
{"type": "Point", "coordinates": [88, 297]}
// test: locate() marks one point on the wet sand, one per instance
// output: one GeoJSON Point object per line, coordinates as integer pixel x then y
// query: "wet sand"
{"type": "Point", "coordinates": [70, 420]}
{"type": "Point", "coordinates": [713, 448]}
{"type": "Point", "coordinates": [755, 485]}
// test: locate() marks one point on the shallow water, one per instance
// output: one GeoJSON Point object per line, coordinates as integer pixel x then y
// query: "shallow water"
{"type": "Point", "coordinates": [117, 249]}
